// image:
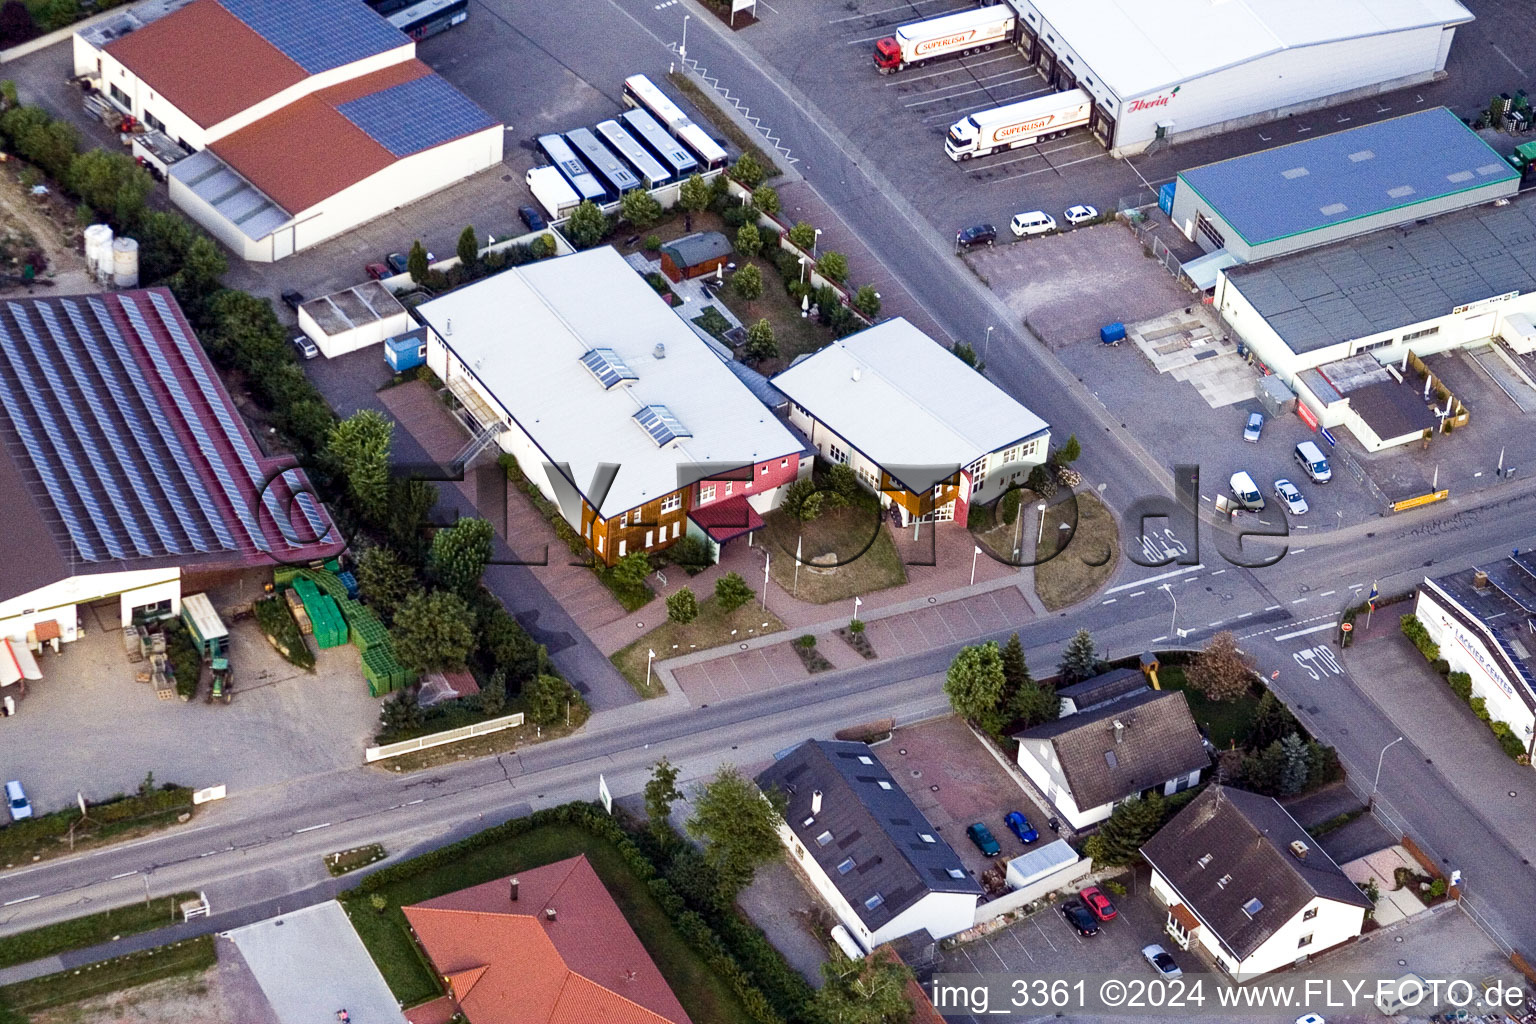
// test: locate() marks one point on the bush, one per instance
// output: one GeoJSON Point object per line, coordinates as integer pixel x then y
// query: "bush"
{"type": "Point", "coordinates": [691, 553]}
{"type": "Point", "coordinates": [640, 208]}
{"type": "Point", "coordinates": [833, 265]}
{"type": "Point", "coordinates": [766, 199]}
{"type": "Point", "coordinates": [652, 243]}
{"type": "Point", "coordinates": [803, 235]}
{"type": "Point", "coordinates": [737, 216]}
{"type": "Point", "coordinates": [1441, 666]}
{"type": "Point", "coordinates": [748, 171]}
{"type": "Point", "coordinates": [807, 641]}
{"type": "Point", "coordinates": [587, 225]}
{"type": "Point", "coordinates": [731, 592]}
{"type": "Point", "coordinates": [749, 241]}
{"type": "Point", "coordinates": [682, 607]}
{"type": "Point", "coordinates": [1414, 630]}
{"type": "Point", "coordinates": [1461, 685]}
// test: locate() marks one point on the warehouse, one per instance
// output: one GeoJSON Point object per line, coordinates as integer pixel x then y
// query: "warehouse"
{"type": "Point", "coordinates": [300, 121]}
{"type": "Point", "coordinates": [124, 465]}
{"type": "Point", "coordinates": [1182, 69]}
{"type": "Point", "coordinates": [1338, 186]}
{"type": "Point", "coordinates": [353, 318]}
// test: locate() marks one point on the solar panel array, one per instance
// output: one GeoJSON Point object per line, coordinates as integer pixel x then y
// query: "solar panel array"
{"type": "Point", "coordinates": [416, 115]}
{"type": "Point", "coordinates": [318, 35]}
{"type": "Point", "coordinates": [607, 367]}
{"type": "Point", "coordinates": [658, 421]}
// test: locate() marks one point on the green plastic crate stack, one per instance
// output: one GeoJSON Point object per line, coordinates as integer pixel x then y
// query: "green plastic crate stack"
{"type": "Point", "coordinates": [383, 671]}
{"type": "Point", "coordinates": [330, 627]}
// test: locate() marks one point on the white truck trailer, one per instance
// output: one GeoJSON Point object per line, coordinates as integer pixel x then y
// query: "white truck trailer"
{"type": "Point", "coordinates": [949, 35]}
{"type": "Point", "coordinates": [1018, 124]}
{"type": "Point", "coordinates": [550, 188]}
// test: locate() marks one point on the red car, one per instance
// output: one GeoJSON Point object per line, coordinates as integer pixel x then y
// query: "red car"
{"type": "Point", "coordinates": [1098, 903]}
{"type": "Point", "coordinates": [379, 270]}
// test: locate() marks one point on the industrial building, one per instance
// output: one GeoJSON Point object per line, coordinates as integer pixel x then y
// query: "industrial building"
{"type": "Point", "coordinates": [298, 121]}
{"type": "Point", "coordinates": [353, 318]}
{"type": "Point", "coordinates": [1337, 186]}
{"type": "Point", "coordinates": [124, 466]}
{"type": "Point", "coordinates": [611, 404]}
{"type": "Point", "coordinates": [1464, 280]}
{"type": "Point", "coordinates": [1182, 69]}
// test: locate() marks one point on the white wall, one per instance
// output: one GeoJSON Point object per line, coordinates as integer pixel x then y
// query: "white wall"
{"type": "Point", "coordinates": [1471, 652]}
{"type": "Point", "coordinates": [59, 601]}
{"type": "Point", "coordinates": [372, 333]}
{"type": "Point", "coordinates": [1038, 760]}
{"type": "Point", "coordinates": [212, 221]}
{"type": "Point", "coordinates": [1334, 923]}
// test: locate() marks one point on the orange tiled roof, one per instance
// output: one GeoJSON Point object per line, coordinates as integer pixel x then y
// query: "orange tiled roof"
{"type": "Point", "coordinates": [509, 964]}
{"type": "Point", "coordinates": [187, 55]}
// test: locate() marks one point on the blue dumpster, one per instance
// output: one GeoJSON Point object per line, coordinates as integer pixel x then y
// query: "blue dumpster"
{"type": "Point", "coordinates": [1112, 334]}
{"type": "Point", "coordinates": [1165, 198]}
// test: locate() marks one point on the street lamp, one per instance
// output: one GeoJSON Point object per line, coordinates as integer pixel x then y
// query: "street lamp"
{"type": "Point", "coordinates": [816, 238]}
{"type": "Point", "coordinates": [1040, 536]}
{"type": "Point", "coordinates": [765, 576]}
{"type": "Point", "coordinates": [987, 343]}
{"type": "Point", "coordinates": [682, 51]}
{"type": "Point", "coordinates": [1379, 761]}
{"type": "Point", "coordinates": [1173, 623]}
{"type": "Point", "coordinates": [650, 656]}
{"type": "Point", "coordinates": [804, 261]}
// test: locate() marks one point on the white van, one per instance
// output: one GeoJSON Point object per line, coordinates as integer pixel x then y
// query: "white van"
{"type": "Point", "coordinates": [16, 799]}
{"type": "Point", "coordinates": [1035, 222]}
{"type": "Point", "coordinates": [1406, 993]}
{"type": "Point", "coordinates": [1246, 492]}
{"type": "Point", "coordinates": [1311, 459]}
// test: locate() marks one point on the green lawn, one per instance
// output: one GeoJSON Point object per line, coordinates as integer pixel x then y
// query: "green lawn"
{"type": "Point", "coordinates": [1226, 722]}
{"type": "Point", "coordinates": [854, 533]}
{"type": "Point", "coordinates": [186, 957]}
{"type": "Point", "coordinates": [79, 932]}
{"type": "Point", "coordinates": [711, 629]}
{"type": "Point", "coordinates": [706, 996]}
{"type": "Point", "coordinates": [1089, 557]}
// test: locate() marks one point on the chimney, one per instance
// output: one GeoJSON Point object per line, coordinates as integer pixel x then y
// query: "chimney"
{"type": "Point", "coordinates": [1119, 730]}
{"type": "Point", "coordinates": [549, 914]}
{"type": "Point", "coordinates": [1480, 579]}
{"type": "Point", "coordinates": [816, 802]}
{"type": "Point", "coordinates": [1299, 849]}
{"type": "Point", "coordinates": [514, 888]}
{"type": "Point", "coordinates": [857, 373]}
{"type": "Point", "coordinates": [660, 351]}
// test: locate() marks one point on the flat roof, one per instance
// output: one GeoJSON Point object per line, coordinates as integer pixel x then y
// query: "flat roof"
{"type": "Point", "coordinates": [1137, 46]}
{"type": "Point", "coordinates": [1394, 277]}
{"type": "Point", "coordinates": [1506, 608]}
{"type": "Point", "coordinates": [901, 398]}
{"type": "Point", "coordinates": [1392, 409]}
{"type": "Point", "coordinates": [353, 307]}
{"type": "Point", "coordinates": [1333, 179]}
{"type": "Point", "coordinates": [523, 333]}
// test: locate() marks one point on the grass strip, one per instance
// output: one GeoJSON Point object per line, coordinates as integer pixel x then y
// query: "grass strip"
{"type": "Point", "coordinates": [130, 971]}
{"type": "Point", "coordinates": [90, 930]}
{"type": "Point", "coordinates": [720, 119]}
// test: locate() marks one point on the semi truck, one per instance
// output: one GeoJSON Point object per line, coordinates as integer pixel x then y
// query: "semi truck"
{"type": "Point", "coordinates": [1018, 124]}
{"type": "Point", "coordinates": [550, 188]}
{"type": "Point", "coordinates": [950, 35]}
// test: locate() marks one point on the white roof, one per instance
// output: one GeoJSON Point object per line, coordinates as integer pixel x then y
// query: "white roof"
{"type": "Point", "coordinates": [901, 398]}
{"type": "Point", "coordinates": [523, 334]}
{"type": "Point", "coordinates": [1142, 46]}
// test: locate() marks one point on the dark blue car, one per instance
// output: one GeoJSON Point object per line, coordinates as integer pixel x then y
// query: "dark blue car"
{"type": "Point", "coordinates": [1020, 826]}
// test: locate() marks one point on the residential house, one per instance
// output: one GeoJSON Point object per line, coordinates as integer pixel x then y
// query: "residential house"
{"type": "Point", "coordinates": [920, 427]}
{"type": "Point", "coordinates": [1087, 762]}
{"type": "Point", "coordinates": [1245, 882]}
{"type": "Point", "coordinates": [866, 848]}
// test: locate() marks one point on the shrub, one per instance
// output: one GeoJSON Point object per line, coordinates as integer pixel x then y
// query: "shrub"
{"type": "Point", "coordinates": [766, 199]}
{"type": "Point", "coordinates": [737, 216]}
{"type": "Point", "coordinates": [587, 225]}
{"type": "Point", "coordinates": [691, 553]}
{"type": "Point", "coordinates": [807, 641]}
{"type": "Point", "coordinates": [1441, 666]}
{"type": "Point", "coordinates": [856, 626]}
{"type": "Point", "coordinates": [1414, 630]}
{"type": "Point", "coordinates": [682, 607]}
{"type": "Point", "coordinates": [1437, 888]}
{"type": "Point", "coordinates": [1461, 685]}
{"type": "Point", "coordinates": [640, 208]}
{"type": "Point", "coordinates": [652, 243]}
{"type": "Point", "coordinates": [748, 171]}
{"type": "Point", "coordinates": [749, 241]}
{"type": "Point", "coordinates": [803, 235]}
{"type": "Point", "coordinates": [833, 265]}
{"type": "Point", "coordinates": [1480, 709]}
{"type": "Point", "coordinates": [731, 592]}
{"type": "Point", "coordinates": [867, 301]}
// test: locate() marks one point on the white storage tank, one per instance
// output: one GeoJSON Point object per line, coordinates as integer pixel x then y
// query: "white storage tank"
{"type": "Point", "coordinates": [98, 249]}
{"type": "Point", "coordinates": [125, 263]}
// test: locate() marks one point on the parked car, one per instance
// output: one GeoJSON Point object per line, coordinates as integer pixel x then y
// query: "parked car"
{"type": "Point", "coordinates": [379, 271]}
{"type": "Point", "coordinates": [1162, 963]}
{"type": "Point", "coordinates": [1254, 428]}
{"type": "Point", "coordinates": [16, 800]}
{"type": "Point", "coordinates": [976, 234]}
{"type": "Point", "coordinates": [532, 218]}
{"type": "Point", "coordinates": [305, 347]}
{"type": "Point", "coordinates": [400, 262]}
{"type": "Point", "coordinates": [1312, 460]}
{"type": "Point", "coordinates": [1290, 497]}
{"type": "Point", "coordinates": [1035, 222]}
{"type": "Point", "coordinates": [1080, 214]}
{"type": "Point", "coordinates": [1080, 917]}
{"type": "Point", "coordinates": [1093, 897]}
{"type": "Point", "coordinates": [1246, 492]}
{"type": "Point", "coordinates": [982, 836]}
{"type": "Point", "coordinates": [293, 299]}
{"type": "Point", "coordinates": [1020, 826]}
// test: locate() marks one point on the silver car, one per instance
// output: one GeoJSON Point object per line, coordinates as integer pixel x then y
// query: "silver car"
{"type": "Point", "coordinates": [1161, 962]}
{"type": "Point", "coordinates": [1290, 497]}
{"type": "Point", "coordinates": [1254, 427]}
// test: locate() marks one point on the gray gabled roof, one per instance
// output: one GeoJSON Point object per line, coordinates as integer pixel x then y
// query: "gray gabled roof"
{"type": "Point", "coordinates": [1229, 848]}
{"type": "Point", "coordinates": [866, 817]}
{"type": "Point", "coordinates": [1111, 685]}
{"type": "Point", "coordinates": [699, 247]}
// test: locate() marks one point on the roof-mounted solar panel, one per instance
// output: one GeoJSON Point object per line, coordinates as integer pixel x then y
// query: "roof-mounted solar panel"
{"type": "Point", "coordinates": [658, 421]}
{"type": "Point", "coordinates": [607, 367]}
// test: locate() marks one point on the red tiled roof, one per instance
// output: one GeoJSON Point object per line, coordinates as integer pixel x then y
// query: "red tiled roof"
{"type": "Point", "coordinates": [209, 64]}
{"type": "Point", "coordinates": [307, 151]}
{"type": "Point", "coordinates": [508, 963]}
{"type": "Point", "coordinates": [725, 519]}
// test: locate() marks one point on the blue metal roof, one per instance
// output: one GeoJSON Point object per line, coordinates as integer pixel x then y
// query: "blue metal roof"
{"type": "Point", "coordinates": [416, 115]}
{"type": "Point", "coordinates": [1348, 175]}
{"type": "Point", "coordinates": [318, 35]}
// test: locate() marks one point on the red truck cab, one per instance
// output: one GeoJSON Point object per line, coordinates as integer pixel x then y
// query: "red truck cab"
{"type": "Point", "coordinates": [888, 54]}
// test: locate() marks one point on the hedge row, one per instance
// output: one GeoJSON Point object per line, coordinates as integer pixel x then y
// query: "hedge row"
{"type": "Point", "coordinates": [119, 809]}
{"type": "Point", "coordinates": [1461, 685]}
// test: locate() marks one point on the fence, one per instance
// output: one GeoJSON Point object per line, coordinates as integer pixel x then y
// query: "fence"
{"type": "Point", "coordinates": [1061, 879]}
{"type": "Point", "coordinates": [1155, 247]}
{"type": "Point", "coordinates": [438, 739]}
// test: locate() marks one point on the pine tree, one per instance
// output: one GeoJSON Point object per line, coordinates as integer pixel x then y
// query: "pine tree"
{"type": "Point", "coordinates": [1015, 670]}
{"type": "Point", "coordinates": [416, 262]}
{"type": "Point", "coordinates": [1272, 721]}
{"type": "Point", "coordinates": [1080, 660]}
{"type": "Point", "coordinates": [1293, 775]}
{"type": "Point", "coordinates": [1120, 838]}
{"type": "Point", "coordinates": [469, 247]}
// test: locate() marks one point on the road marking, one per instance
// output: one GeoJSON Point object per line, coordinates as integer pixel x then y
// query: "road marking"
{"type": "Point", "coordinates": [1154, 579]}
{"type": "Point", "coordinates": [1216, 623]}
{"type": "Point", "coordinates": [1299, 600]}
{"type": "Point", "coordinates": [1111, 600]}
{"type": "Point", "coordinates": [418, 800]}
{"type": "Point", "coordinates": [1137, 594]}
{"type": "Point", "coordinates": [1304, 632]}
{"type": "Point", "coordinates": [1244, 615]}
{"type": "Point", "coordinates": [1218, 572]}
{"type": "Point", "coordinates": [311, 828]}
{"type": "Point", "coordinates": [903, 9]}
{"type": "Point", "coordinates": [891, 80]}
{"type": "Point", "coordinates": [125, 874]}
{"type": "Point", "coordinates": [1327, 593]}
{"type": "Point", "coordinates": [1298, 551]}
{"type": "Point", "coordinates": [1273, 608]}
{"type": "Point", "coordinates": [24, 899]}
{"type": "Point", "coordinates": [1057, 167]}
{"type": "Point", "coordinates": [1512, 64]}
{"type": "Point", "coordinates": [1159, 639]}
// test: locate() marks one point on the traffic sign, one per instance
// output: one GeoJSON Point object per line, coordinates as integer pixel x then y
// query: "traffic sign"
{"type": "Point", "coordinates": [1333, 442]}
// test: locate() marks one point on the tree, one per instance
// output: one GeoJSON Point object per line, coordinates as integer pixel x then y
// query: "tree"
{"type": "Point", "coordinates": [682, 607]}
{"type": "Point", "coordinates": [1080, 660]}
{"type": "Point", "coordinates": [802, 500]}
{"type": "Point", "coordinates": [401, 714]}
{"type": "Point", "coordinates": [748, 171]}
{"type": "Point", "coordinates": [459, 555]}
{"type": "Point", "coordinates": [432, 631]}
{"type": "Point", "coordinates": [1121, 837]}
{"type": "Point", "coordinates": [843, 483]}
{"type": "Point", "coordinates": [1221, 671]}
{"type": "Point", "coordinates": [833, 265]}
{"type": "Point", "coordinates": [1067, 453]}
{"type": "Point", "coordinates": [802, 235]}
{"type": "Point", "coordinates": [493, 695]}
{"type": "Point", "coordinates": [731, 592]}
{"type": "Point", "coordinates": [661, 793]}
{"type": "Point", "coordinates": [416, 262]}
{"type": "Point", "coordinates": [867, 301]}
{"type": "Point", "coordinates": [410, 505]}
{"type": "Point", "coordinates": [384, 580]}
{"type": "Point", "coordinates": [966, 353]}
{"type": "Point", "coordinates": [49, 144]}
{"type": "Point", "coordinates": [640, 208]}
{"type": "Point", "coordinates": [977, 687]}
{"type": "Point", "coordinates": [163, 242]}
{"type": "Point", "coordinates": [1293, 773]}
{"type": "Point", "coordinates": [760, 344]}
{"type": "Point", "coordinates": [748, 282]}
{"type": "Point", "coordinates": [15, 23]}
{"type": "Point", "coordinates": [1042, 481]}
{"type": "Point", "coordinates": [1272, 721]}
{"type": "Point", "coordinates": [469, 247]}
{"type": "Point", "coordinates": [1025, 701]}
{"type": "Point", "coordinates": [867, 991]}
{"type": "Point", "coordinates": [198, 279]}
{"type": "Point", "coordinates": [765, 198]}
{"type": "Point", "coordinates": [1015, 669]}
{"type": "Point", "coordinates": [358, 449]}
{"type": "Point", "coordinates": [738, 825]}
{"type": "Point", "coordinates": [749, 241]}
{"type": "Point", "coordinates": [548, 697]}
{"type": "Point", "coordinates": [629, 572]}
{"type": "Point", "coordinates": [1264, 772]}
{"type": "Point", "coordinates": [113, 184]}
{"type": "Point", "coordinates": [243, 332]}
{"type": "Point", "coordinates": [587, 225]}
{"type": "Point", "coordinates": [693, 196]}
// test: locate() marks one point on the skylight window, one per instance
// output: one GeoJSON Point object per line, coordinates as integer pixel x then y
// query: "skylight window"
{"type": "Point", "coordinates": [664, 428]}
{"type": "Point", "coordinates": [1252, 907]}
{"type": "Point", "coordinates": [607, 367]}
{"type": "Point", "coordinates": [845, 867]}
{"type": "Point", "coordinates": [874, 901]}
{"type": "Point", "coordinates": [824, 839]}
